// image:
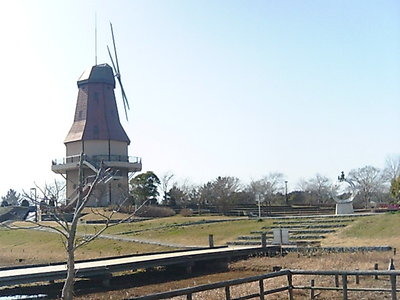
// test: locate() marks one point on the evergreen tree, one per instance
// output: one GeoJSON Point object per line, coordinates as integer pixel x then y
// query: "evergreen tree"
{"type": "Point", "coordinates": [395, 189]}
{"type": "Point", "coordinates": [144, 187]}
{"type": "Point", "coordinates": [11, 198]}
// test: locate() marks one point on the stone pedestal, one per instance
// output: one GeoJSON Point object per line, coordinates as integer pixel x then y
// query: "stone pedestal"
{"type": "Point", "coordinates": [344, 208]}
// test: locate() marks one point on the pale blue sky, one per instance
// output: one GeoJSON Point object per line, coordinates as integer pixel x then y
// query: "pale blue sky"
{"type": "Point", "coordinates": [239, 88]}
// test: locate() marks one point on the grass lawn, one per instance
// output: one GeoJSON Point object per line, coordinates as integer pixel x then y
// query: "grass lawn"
{"type": "Point", "coordinates": [192, 235]}
{"type": "Point", "coordinates": [29, 246]}
{"type": "Point", "coordinates": [374, 230]}
{"type": "Point", "coordinates": [37, 247]}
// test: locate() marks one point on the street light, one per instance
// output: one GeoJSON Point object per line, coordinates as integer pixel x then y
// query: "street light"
{"type": "Point", "coordinates": [258, 199]}
{"type": "Point", "coordinates": [286, 197]}
{"type": "Point", "coordinates": [33, 191]}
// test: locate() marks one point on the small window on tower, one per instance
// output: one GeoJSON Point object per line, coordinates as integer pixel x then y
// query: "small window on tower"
{"type": "Point", "coordinates": [96, 97]}
{"type": "Point", "coordinates": [80, 115]}
{"type": "Point", "coordinates": [96, 130]}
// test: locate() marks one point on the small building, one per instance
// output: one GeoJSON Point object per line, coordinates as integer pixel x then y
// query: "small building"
{"type": "Point", "coordinates": [97, 135]}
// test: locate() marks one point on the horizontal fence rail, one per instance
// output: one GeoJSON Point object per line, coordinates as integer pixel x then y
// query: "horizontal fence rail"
{"type": "Point", "coordinates": [344, 276]}
{"type": "Point", "coordinates": [289, 274]}
{"type": "Point", "coordinates": [188, 292]}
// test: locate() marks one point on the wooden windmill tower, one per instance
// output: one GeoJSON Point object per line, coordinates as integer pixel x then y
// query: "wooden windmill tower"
{"type": "Point", "coordinates": [98, 136]}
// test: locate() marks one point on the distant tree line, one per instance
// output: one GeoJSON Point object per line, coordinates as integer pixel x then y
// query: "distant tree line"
{"type": "Point", "coordinates": [374, 186]}
{"type": "Point", "coordinates": [221, 194]}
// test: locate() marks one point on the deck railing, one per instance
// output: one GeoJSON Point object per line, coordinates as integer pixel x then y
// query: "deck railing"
{"type": "Point", "coordinates": [343, 288]}
{"type": "Point", "coordinates": [102, 157]}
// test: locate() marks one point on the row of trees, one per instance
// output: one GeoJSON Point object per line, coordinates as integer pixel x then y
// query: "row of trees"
{"type": "Point", "coordinates": [374, 185]}
{"type": "Point", "coordinates": [49, 194]}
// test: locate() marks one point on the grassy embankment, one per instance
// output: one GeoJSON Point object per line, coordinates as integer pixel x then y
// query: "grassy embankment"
{"type": "Point", "coordinates": [31, 246]}
{"type": "Point", "coordinates": [375, 230]}
{"type": "Point", "coordinates": [35, 247]}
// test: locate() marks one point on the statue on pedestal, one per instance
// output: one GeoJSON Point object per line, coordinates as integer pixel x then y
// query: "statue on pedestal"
{"type": "Point", "coordinates": [343, 192]}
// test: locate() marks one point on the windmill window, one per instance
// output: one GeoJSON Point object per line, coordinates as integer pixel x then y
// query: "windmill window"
{"type": "Point", "coordinates": [96, 97]}
{"type": "Point", "coordinates": [80, 115]}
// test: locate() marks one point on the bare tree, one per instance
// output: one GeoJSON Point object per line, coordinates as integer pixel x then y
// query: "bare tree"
{"type": "Point", "coordinates": [302, 184]}
{"type": "Point", "coordinates": [51, 194]}
{"type": "Point", "coordinates": [369, 181]}
{"type": "Point", "coordinates": [320, 187]}
{"type": "Point", "coordinates": [267, 187]}
{"type": "Point", "coordinates": [392, 167]}
{"type": "Point", "coordinates": [165, 183]}
{"type": "Point", "coordinates": [67, 229]}
{"type": "Point", "coordinates": [220, 192]}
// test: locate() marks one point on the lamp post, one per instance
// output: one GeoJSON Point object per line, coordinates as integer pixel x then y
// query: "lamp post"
{"type": "Point", "coordinates": [286, 197]}
{"type": "Point", "coordinates": [33, 191]}
{"type": "Point", "coordinates": [258, 199]}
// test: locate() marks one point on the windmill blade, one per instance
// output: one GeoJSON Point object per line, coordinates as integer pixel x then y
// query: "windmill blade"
{"type": "Point", "coordinates": [124, 98]}
{"type": "Point", "coordinates": [115, 49]}
{"type": "Point", "coordinates": [112, 60]}
{"type": "Point", "coordinates": [118, 73]}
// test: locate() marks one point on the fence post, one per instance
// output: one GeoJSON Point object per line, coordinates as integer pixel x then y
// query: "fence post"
{"type": "Point", "coordinates": [211, 240]}
{"type": "Point", "coordinates": [376, 268]}
{"type": "Point", "coordinates": [261, 284]}
{"type": "Point", "coordinates": [189, 297]}
{"type": "Point", "coordinates": [290, 285]}
{"type": "Point", "coordinates": [394, 287]}
{"type": "Point", "coordinates": [344, 282]}
{"type": "Point", "coordinates": [357, 278]}
{"type": "Point", "coordinates": [264, 240]}
{"type": "Point", "coordinates": [227, 293]}
{"type": "Point", "coordinates": [391, 265]}
{"type": "Point", "coordinates": [312, 293]}
{"type": "Point", "coordinates": [337, 280]}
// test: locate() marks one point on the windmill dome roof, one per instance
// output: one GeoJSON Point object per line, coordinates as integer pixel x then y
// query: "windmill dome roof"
{"type": "Point", "coordinates": [102, 73]}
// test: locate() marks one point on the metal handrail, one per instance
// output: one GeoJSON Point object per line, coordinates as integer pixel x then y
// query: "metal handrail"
{"type": "Point", "coordinates": [98, 158]}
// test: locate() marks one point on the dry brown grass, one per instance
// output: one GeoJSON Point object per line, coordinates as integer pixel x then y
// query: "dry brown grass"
{"type": "Point", "coordinates": [261, 265]}
{"type": "Point", "coordinates": [17, 248]}
{"type": "Point", "coordinates": [377, 231]}
{"type": "Point", "coordinates": [95, 213]}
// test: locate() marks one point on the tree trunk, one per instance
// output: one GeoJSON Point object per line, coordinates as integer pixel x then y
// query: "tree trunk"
{"type": "Point", "coordinates": [68, 288]}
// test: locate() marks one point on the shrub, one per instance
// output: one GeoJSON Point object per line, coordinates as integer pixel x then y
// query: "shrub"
{"type": "Point", "coordinates": [155, 212]}
{"type": "Point", "coordinates": [186, 212]}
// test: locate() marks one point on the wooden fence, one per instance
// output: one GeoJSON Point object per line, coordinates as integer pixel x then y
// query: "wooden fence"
{"type": "Point", "coordinates": [289, 287]}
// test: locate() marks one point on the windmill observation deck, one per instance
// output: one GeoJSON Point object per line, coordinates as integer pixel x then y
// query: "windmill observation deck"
{"type": "Point", "coordinates": [131, 163]}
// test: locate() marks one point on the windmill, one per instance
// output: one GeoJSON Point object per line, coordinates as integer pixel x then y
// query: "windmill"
{"type": "Point", "coordinates": [118, 73]}
{"type": "Point", "coordinates": [97, 135]}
